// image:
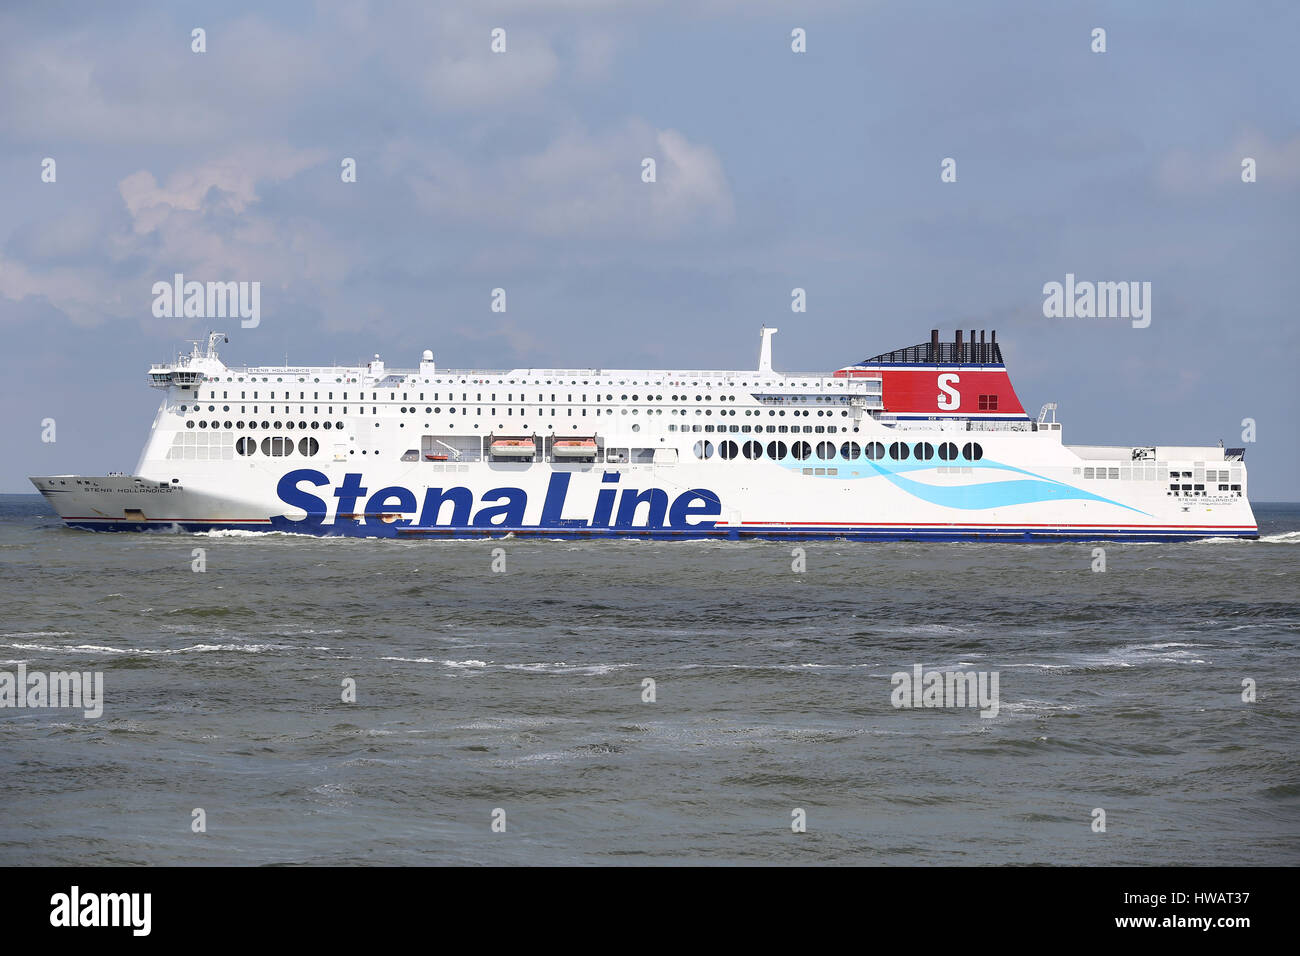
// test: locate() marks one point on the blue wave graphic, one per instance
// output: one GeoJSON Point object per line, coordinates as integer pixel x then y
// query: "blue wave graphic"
{"type": "Point", "coordinates": [978, 497]}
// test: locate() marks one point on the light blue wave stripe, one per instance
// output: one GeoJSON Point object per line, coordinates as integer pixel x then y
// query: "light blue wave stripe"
{"type": "Point", "coordinates": [978, 497]}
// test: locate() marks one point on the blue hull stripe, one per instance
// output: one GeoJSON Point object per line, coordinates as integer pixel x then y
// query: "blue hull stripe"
{"type": "Point", "coordinates": [918, 533]}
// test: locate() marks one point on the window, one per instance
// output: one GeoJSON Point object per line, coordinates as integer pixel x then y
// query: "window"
{"type": "Point", "coordinates": [899, 451]}
{"type": "Point", "coordinates": [988, 403]}
{"type": "Point", "coordinates": [753, 449]}
{"type": "Point", "coordinates": [246, 446]}
{"type": "Point", "coordinates": [972, 451]}
{"type": "Point", "coordinates": [727, 450]}
{"type": "Point", "coordinates": [704, 449]}
{"type": "Point", "coordinates": [874, 451]}
{"type": "Point", "coordinates": [948, 451]}
{"type": "Point", "coordinates": [277, 447]}
{"type": "Point", "coordinates": [850, 450]}
{"type": "Point", "coordinates": [825, 450]}
{"type": "Point", "coordinates": [306, 446]}
{"type": "Point", "coordinates": [776, 450]}
{"type": "Point", "coordinates": [801, 450]}
{"type": "Point", "coordinates": [924, 451]}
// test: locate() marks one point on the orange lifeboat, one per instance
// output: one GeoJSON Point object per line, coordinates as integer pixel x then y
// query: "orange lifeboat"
{"type": "Point", "coordinates": [514, 448]}
{"type": "Point", "coordinates": [574, 448]}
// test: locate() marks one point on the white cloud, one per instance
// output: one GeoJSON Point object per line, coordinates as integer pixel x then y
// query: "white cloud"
{"type": "Point", "coordinates": [1276, 161]}
{"type": "Point", "coordinates": [584, 185]}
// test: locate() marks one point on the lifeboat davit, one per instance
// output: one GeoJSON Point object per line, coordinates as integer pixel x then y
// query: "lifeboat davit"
{"type": "Point", "coordinates": [574, 448]}
{"type": "Point", "coordinates": [514, 448]}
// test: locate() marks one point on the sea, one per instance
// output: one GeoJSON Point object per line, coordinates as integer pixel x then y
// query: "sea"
{"type": "Point", "coordinates": [277, 699]}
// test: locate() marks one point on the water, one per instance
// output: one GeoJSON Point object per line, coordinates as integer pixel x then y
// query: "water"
{"type": "Point", "coordinates": [522, 691]}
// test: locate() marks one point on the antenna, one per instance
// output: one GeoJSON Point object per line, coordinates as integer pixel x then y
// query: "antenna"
{"type": "Point", "coordinates": [765, 348]}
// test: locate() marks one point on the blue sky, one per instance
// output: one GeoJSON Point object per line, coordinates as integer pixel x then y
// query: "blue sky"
{"type": "Point", "coordinates": [775, 170]}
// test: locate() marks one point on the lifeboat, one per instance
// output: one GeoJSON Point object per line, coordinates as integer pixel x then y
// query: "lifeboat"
{"type": "Point", "coordinates": [514, 448]}
{"type": "Point", "coordinates": [574, 448]}
{"type": "Point", "coordinates": [428, 456]}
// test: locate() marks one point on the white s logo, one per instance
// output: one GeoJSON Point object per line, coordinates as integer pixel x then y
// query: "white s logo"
{"type": "Point", "coordinates": [952, 400]}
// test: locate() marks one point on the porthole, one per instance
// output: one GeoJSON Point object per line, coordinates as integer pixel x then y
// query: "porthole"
{"type": "Point", "coordinates": [898, 451]}
{"type": "Point", "coordinates": [266, 424]}
{"type": "Point", "coordinates": [203, 424]}
{"type": "Point", "coordinates": [189, 424]}
{"type": "Point", "coordinates": [252, 424]}
{"type": "Point", "coordinates": [289, 425]}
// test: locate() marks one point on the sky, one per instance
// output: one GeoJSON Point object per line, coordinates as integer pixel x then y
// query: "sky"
{"type": "Point", "coordinates": [775, 170]}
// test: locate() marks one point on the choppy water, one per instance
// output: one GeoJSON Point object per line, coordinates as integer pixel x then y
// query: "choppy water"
{"type": "Point", "coordinates": [522, 691]}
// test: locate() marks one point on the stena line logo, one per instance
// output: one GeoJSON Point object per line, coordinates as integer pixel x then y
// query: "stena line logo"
{"type": "Point", "coordinates": [949, 397]}
{"type": "Point", "coordinates": [395, 505]}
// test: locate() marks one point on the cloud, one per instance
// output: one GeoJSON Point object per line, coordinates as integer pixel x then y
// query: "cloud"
{"type": "Point", "coordinates": [1276, 161]}
{"type": "Point", "coordinates": [228, 182]}
{"type": "Point", "coordinates": [584, 185]}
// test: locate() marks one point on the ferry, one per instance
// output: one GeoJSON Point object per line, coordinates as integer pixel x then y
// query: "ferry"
{"type": "Point", "coordinates": [928, 443]}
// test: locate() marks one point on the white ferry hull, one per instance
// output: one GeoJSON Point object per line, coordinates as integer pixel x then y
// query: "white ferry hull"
{"type": "Point", "coordinates": [561, 500]}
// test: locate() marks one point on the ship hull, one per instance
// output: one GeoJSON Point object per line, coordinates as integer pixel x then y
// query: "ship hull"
{"type": "Point", "coordinates": [675, 502]}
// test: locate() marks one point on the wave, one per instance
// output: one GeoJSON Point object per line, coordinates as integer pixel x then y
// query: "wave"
{"type": "Point", "coordinates": [103, 649]}
{"type": "Point", "coordinates": [1286, 537]}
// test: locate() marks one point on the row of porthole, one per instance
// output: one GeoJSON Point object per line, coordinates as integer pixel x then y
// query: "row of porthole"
{"type": "Point", "coordinates": [266, 425]}
{"type": "Point", "coordinates": [278, 446]}
{"type": "Point", "coordinates": [414, 381]}
{"type": "Point", "coordinates": [849, 450]}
